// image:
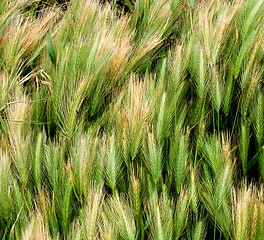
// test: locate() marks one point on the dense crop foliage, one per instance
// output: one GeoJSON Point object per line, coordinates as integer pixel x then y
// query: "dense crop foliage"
{"type": "Point", "coordinates": [132, 119]}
